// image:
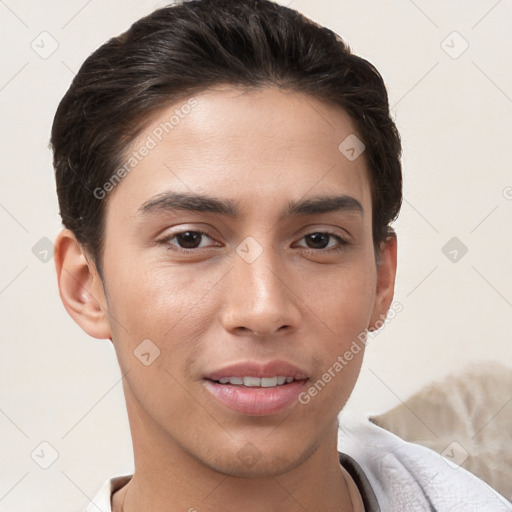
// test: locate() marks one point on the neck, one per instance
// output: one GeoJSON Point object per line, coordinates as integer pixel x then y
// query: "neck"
{"type": "Point", "coordinates": [167, 478]}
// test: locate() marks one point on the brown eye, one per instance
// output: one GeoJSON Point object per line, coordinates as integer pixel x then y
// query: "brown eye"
{"type": "Point", "coordinates": [189, 239]}
{"type": "Point", "coordinates": [318, 240]}
{"type": "Point", "coordinates": [323, 240]}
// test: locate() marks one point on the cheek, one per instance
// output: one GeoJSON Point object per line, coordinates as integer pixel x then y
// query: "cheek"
{"type": "Point", "coordinates": [343, 306]}
{"type": "Point", "coordinates": [342, 298]}
{"type": "Point", "coordinates": [155, 298]}
{"type": "Point", "coordinates": [167, 305]}
{"type": "Point", "coordinates": [159, 315]}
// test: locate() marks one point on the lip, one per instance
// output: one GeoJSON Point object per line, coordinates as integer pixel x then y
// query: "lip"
{"type": "Point", "coordinates": [257, 401]}
{"type": "Point", "coordinates": [261, 370]}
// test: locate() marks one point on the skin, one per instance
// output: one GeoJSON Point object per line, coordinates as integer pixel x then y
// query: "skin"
{"type": "Point", "coordinates": [301, 300]}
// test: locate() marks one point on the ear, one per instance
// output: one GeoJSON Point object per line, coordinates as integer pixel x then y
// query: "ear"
{"type": "Point", "coordinates": [386, 273]}
{"type": "Point", "coordinates": [80, 286]}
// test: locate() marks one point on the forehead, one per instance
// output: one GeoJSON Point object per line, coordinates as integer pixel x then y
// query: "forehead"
{"type": "Point", "coordinates": [264, 143]}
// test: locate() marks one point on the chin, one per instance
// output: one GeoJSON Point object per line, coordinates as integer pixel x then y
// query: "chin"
{"type": "Point", "coordinates": [248, 459]}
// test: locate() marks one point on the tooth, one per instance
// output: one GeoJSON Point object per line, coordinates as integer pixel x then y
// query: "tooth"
{"type": "Point", "coordinates": [268, 382]}
{"type": "Point", "coordinates": [252, 381]}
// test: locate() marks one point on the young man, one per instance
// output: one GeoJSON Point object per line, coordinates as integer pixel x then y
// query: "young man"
{"type": "Point", "coordinates": [227, 173]}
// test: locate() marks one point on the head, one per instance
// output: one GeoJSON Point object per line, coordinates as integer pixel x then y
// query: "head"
{"type": "Point", "coordinates": [227, 174]}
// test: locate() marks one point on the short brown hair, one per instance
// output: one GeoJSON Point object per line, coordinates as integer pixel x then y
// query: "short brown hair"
{"type": "Point", "coordinates": [183, 49]}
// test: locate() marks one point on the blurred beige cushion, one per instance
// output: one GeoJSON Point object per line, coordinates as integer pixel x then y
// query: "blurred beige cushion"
{"type": "Point", "coordinates": [466, 417]}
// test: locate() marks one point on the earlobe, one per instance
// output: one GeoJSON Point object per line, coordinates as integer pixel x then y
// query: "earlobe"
{"type": "Point", "coordinates": [80, 286]}
{"type": "Point", "coordinates": [386, 273]}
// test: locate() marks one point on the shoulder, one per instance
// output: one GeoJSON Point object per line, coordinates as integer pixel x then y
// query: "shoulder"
{"type": "Point", "coordinates": [406, 476]}
{"type": "Point", "coordinates": [103, 499]}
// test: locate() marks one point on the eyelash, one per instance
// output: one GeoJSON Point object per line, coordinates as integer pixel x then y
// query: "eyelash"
{"type": "Point", "coordinates": [167, 240]}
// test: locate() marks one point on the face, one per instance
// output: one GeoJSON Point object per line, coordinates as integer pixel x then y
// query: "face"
{"type": "Point", "coordinates": [239, 246]}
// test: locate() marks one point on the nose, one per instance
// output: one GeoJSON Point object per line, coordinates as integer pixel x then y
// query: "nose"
{"type": "Point", "coordinates": [260, 298]}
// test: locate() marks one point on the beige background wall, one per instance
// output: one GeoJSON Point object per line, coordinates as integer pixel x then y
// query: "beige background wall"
{"type": "Point", "coordinates": [454, 109]}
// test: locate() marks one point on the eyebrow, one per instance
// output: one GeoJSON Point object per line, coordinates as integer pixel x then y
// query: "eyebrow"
{"type": "Point", "coordinates": [200, 203]}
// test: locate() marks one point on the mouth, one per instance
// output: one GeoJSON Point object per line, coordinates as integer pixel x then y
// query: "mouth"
{"type": "Point", "coordinates": [257, 389]}
{"type": "Point", "coordinates": [256, 382]}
